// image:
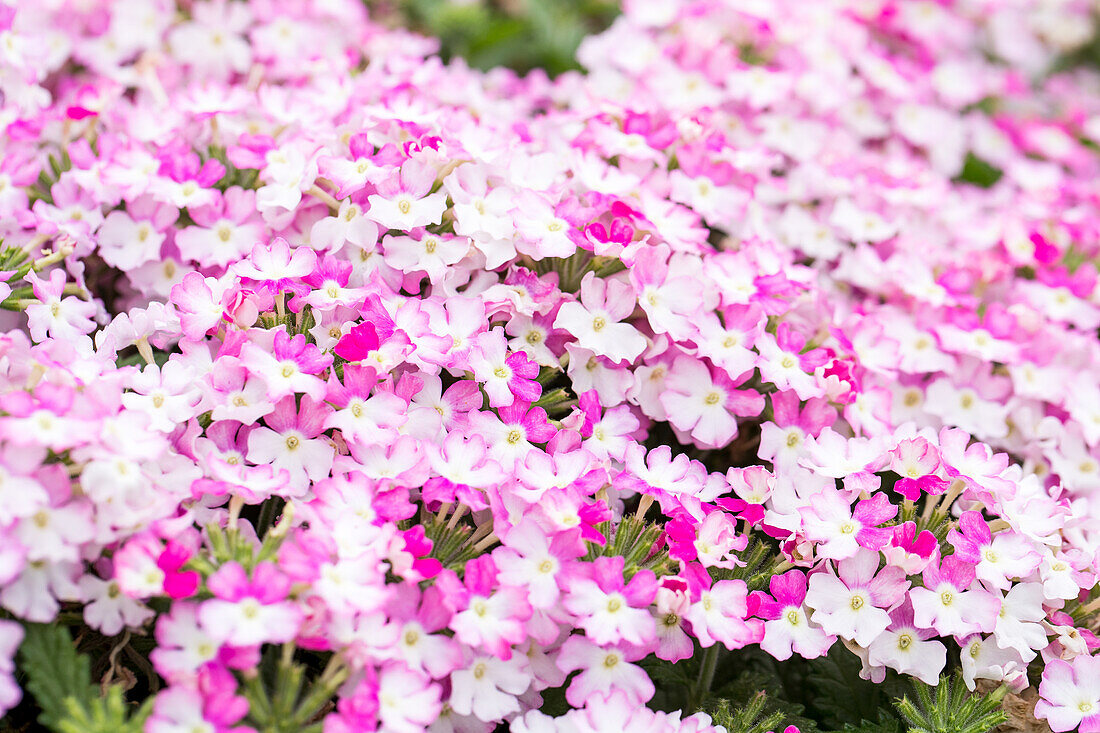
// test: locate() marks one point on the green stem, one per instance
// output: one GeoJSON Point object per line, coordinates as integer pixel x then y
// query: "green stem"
{"type": "Point", "coordinates": [267, 515]}
{"type": "Point", "coordinates": [707, 668]}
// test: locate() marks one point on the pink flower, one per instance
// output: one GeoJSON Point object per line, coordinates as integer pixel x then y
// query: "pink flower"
{"type": "Point", "coordinates": [182, 708]}
{"type": "Point", "coordinates": [537, 561]}
{"type": "Point", "coordinates": [275, 268]}
{"type": "Point", "coordinates": [487, 686]}
{"type": "Point", "coordinates": [247, 611]}
{"type": "Point", "coordinates": [61, 317]}
{"type": "Point", "coordinates": [950, 604]}
{"type": "Point", "coordinates": [505, 377]}
{"type": "Point", "coordinates": [183, 645]}
{"type": "Point", "coordinates": [712, 542]}
{"type": "Point", "coordinates": [11, 636]}
{"type": "Point", "coordinates": [997, 558]}
{"type": "Point", "coordinates": [420, 644]}
{"type": "Point", "coordinates": [595, 320]}
{"type": "Point", "coordinates": [351, 224]}
{"type": "Point", "coordinates": [462, 464]}
{"type": "Point", "coordinates": [916, 460]}
{"type": "Point", "coordinates": [788, 627]}
{"type": "Point", "coordinates": [226, 230]}
{"type": "Point", "coordinates": [404, 201]}
{"type": "Point", "coordinates": [667, 292]}
{"type": "Point", "coordinates": [544, 229]}
{"type": "Point", "coordinates": [728, 342]}
{"type": "Point", "coordinates": [609, 609]}
{"type": "Point", "coordinates": [292, 443]}
{"type": "Point", "coordinates": [852, 606]}
{"type": "Point", "coordinates": [407, 700]}
{"type": "Point", "coordinates": [352, 175]}
{"type": "Point", "coordinates": [830, 521]}
{"type": "Point", "coordinates": [784, 363]}
{"type": "Point", "coordinates": [429, 253]}
{"type": "Point", "coordinates": [602, 670]}
{"type": "Point", "coordinates": [907, 649]}
{"type": "Point", "coordinates": [606, 435]}
{"type": "Point", "coordinates": [363, 418]}
{"type": "Point", "coordinates": [512, 436]}
{"type": "Point", "coordinates": [704, 403]}
{"type": "Point", "coordinates": [487, 616]}
{"type": "Point", "coordinates": [1070, 695]}
{"type": "Point", "coordinates": [721, 615]}
{"type": "Point", "coordinates": [908, 550]}
{"type": "Point", "coordinates": [329, 281]}
{"type": "Point", "coordinates": [201, 304]}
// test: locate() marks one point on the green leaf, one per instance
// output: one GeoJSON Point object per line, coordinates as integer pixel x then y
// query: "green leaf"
{"type": "Point", "coordinates": [60, 679]}
{"type": "Point", "coordinates": [979, 172]}
{"type": "Point", "coordinates": [751, 718]}
{"type": "Point", "coordinates": [840, 694]}
{"type": "Point", "coordinates": [886, 724]}
{"type": "Point", "coordinates": [950, 708]}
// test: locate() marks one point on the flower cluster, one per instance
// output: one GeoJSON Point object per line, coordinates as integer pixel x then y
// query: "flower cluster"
{"type": "Point", "coordinates": [470, 386]}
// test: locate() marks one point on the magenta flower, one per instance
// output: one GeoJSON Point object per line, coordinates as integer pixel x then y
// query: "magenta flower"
{"type": "Point", "coordinates": [908, 550]}
{"type": "Point", "coordinates": [178, 583]}
{"type": "Point", "coordinates": [486, 615]}
{"type": "Point", "coordinates": [505, 377]}
{"type": "Point", "coordinates": [787, 627]}
{"type": "Point", "coordinates": [840, 530]}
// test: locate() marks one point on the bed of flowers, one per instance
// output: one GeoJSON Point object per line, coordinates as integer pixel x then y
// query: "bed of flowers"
{"type": "Point", "coordinates": [348, 390]}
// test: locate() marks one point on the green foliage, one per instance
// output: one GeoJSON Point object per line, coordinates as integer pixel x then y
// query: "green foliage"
{"type": "Point", "coordinates": [886, 724]}
{"type": "Point", "coordinates": [60, 679]}
{"type": "Point", "coordinates": [281, 700]}
{"type": "Point", "coordinates": [56, 165]}
{"type": "Point", "coordinates": [1086, 55]}
{"type": "Point", "coordinates": [518, 34]}
{"type": "Point", "coordinates": [840, 697]}
{"type": "Point", "coordinates": [636, 541]}
{"type": "Point", "coordinates": [742, 689]}
{"type": "Point", "coordinates": [751, 718]}
{"type": "Point", "coordinates": [12, 258]}
{"type": "Point", "coordinates": [247, 178]}
{"type": "Point", "coordinates": [761, 561]}
{"type": "Point", "coordinates": [979, 172]}
{"type": "Point", "coordinates": [950, 708]}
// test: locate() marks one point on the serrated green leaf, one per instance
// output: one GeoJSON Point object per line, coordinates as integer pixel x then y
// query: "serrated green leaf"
{"type": "Point", "coordinates": [60, 680]}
